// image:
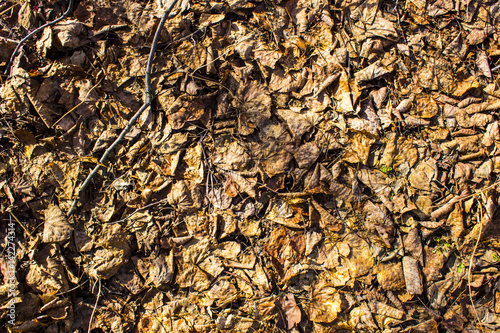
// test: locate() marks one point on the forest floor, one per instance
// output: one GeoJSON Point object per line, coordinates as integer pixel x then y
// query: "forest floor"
{"type": "Point", "coordinates": [304, 166]}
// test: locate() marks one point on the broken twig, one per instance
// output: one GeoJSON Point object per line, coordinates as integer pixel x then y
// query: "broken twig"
{"type": "Point", "coordinates": [147, 101]}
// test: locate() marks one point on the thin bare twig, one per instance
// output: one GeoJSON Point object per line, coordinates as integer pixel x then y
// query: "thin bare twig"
{"type": "Point", "coordinates": [95, 306]}
{"type": "Point", "coordinates": [125, 219]}
{"type": "Point", "coordinates": [76, 106]}
{"type": "Point", "coordinates": [147, 101]}
{"type": "Point", "coordinates": [28, 36]}
{"type": "Point", "coordinates": [469, 272]}
{"type": "Point", "coordinates": [19, 222]}
{"type": "Point", "coordinates": [242, 279]}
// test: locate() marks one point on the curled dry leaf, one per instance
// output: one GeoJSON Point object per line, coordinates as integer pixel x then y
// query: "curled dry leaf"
{"type": "Point", "coordinates": [289, 314]}
{"type": "Point", "coordinates": [412, 275]}
{"type": "Point", "coordinates": [386, 310]}
{"type": "Point", "coordinates": [483, 64]}
{"type": "Point", "coordinates": [371, 72]}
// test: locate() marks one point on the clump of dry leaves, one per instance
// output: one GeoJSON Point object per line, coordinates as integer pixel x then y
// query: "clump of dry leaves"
{"type": "Point", "coordinates": [306, 166]}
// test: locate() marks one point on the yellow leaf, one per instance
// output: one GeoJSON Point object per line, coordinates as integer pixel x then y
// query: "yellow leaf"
{"type": "Point", "coordinates": [90, 159]}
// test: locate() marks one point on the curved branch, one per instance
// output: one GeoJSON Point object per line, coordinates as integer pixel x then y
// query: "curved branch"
{"type": "Point", "coordinates": [148, 99]}
{"type": "Point", "coordinates": [22, 41]}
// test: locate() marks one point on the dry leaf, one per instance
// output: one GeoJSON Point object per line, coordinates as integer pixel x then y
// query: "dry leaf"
{"type": "Point", "coordinates": [412, 276]}
{"type": "Point", "coordinates": [289, 314]}
{"type": "Point", "coordinates": [56, 227]}
{"type": "Point", "coordinates": [325, 304]}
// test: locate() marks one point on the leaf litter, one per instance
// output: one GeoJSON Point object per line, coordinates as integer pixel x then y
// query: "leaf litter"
{"type": "Point", "coordinates": [305, 166]}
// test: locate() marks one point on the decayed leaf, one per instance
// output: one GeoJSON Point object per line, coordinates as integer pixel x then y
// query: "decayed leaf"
{"type": "Point", "coordinates": [246, 185]}
{"type": "Point", "coordinates": [45, 42]}
{"type": "Point", "coordinates": [492, 134]}
{"type": "Point", "coordinates": [286, 83]}
{"type": "Point", "coordinates": [192, 57]}
{"type": "Point", "coordinates": [328, 222]}
{"type": "Point", "coordinates": [361, 318]}
{"type": "Point", "coordinates": [297, 122]}
{"type": "Point", "coordinates": [306, 155]}
{"type": "Point", "coordinates": [186, 109]}
{"type": "Point", "coordinates": [378, 182]}
{"type": "Point", "coordinates": [190, 276]}
{"type": "Point", "coordinates": [386, 310]}
{"type": "Point", "coordinates": [164, 319]}
{"type": "Point", "coordinates": [360, 260]}
{"type": "Point", "coordinates": [483, 64]}
{"type": "Point", "coordinates": [274, 159]}
{"type": "Point", "coordinates": [338, 143]}
{"type": "Point", "coordinates": [484, 170]}
{"type": "Point", "coordinates": [424, 106]}
{"type": "Point", "coordinates": [111, 253]}
{"type": "Point", "coordinates": [223, 291]}
{"type": "Point", "coordinates": [422, 175]}
{"type": "Point", "coordinates": [25, 16]}
{"type": "Point", "coordinates": [159, 270]}
{"type": "Point", "coordinates": [195, 172]}
{"type": "Point", "coordinates": [456, 48]}
{"type": "Point", "coordinates": [233, 156]}
{"type": "Point", "coordinates": [373, 24]}
{"type": "Point", "coordinates": [219, 199]}
{"type": "Point", "coordinates": [413, 245]}
{"type": "Point", "coordinates": [440, 7]}
{"type": "Point", "coordinates": [479, 34]}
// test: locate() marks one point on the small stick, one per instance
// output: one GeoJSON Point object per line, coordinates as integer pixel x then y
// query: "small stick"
{"type": "Point", "coordinates": [76, 106]}
{"type": "Point", "coordinates": [22, 41]}
{"type": "Point", "coordinates": [148, 99]}
{"type": "Point", "coordinates": [242, 279]}
{"type": "Point", "coordinates": [19, 222]}
{"type": "Point", "coordinates": [95, 306]}
{"type": "Point", "coordinates": [471, 262]}
{"type": "Point", "coordinates": [138, 210]}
